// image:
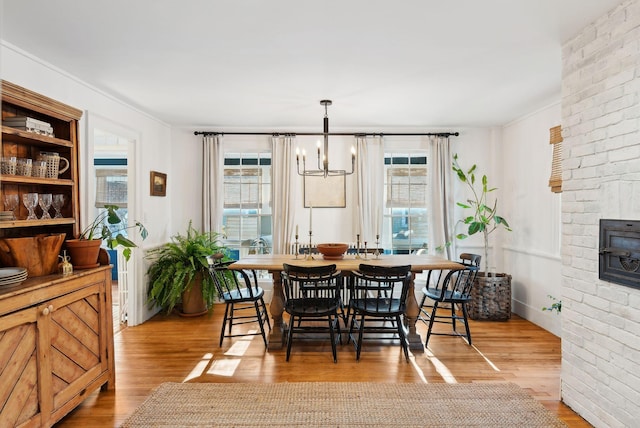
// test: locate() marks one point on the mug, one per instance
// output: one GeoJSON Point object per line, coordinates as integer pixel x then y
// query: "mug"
{"type": "Point", "coordinates": [39, 169]}
{"type": "Point", "coordinates": [9, 164]}
{"type": "Point", "coordinates": [53, 163]}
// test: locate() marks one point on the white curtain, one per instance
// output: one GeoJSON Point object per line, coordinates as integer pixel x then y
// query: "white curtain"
{"type": "Point", "coordinates": [212, 183]}
{"type": "Point", "coordinates": [283, 192]}
{"type": "Point", "coordinates": [440, 212]}
{"type": "Point", "coordinates": [370, 182]}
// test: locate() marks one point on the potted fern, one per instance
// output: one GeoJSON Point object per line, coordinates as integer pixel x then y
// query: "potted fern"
{"type": "Point", "coordinates": [178, 274]}
{"type": "Point", "coordinates": [492, 292]}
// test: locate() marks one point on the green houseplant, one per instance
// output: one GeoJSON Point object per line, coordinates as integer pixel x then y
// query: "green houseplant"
{"type": "Point", "coordinates": [85, 249]}
{"type": "Point", "coordinates": [483, 218]}
{"type": "Point", "coordinates": [180, 267]}
{"type": "Point", "coordinates": [491, 294]}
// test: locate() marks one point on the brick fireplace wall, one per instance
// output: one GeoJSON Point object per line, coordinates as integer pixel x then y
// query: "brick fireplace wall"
{"type": "Point", "coordinates": [601, 179]}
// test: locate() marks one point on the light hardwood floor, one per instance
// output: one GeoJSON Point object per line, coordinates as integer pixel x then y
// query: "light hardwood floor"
{"type": "Point", "coordinates": [177, 349]}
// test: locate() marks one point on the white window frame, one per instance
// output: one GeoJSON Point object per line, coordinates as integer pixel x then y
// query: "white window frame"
{"type": "Point", "coordinates": [405, 188]}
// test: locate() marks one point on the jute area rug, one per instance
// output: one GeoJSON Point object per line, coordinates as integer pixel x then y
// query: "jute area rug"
{"type": "Point", "coordinates": [319, 404]}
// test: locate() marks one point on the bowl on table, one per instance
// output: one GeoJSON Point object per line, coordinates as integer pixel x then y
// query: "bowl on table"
{"type": "Point", "coordinates": [332, 251]}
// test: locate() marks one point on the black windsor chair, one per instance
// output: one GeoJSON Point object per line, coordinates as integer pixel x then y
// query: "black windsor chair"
{"type": "Point", "coordinates": [378, 295]}
{"type": "Point", "coordinates": [453, 288]}
{"type": "Point", "coordinates": [312, 297]}
{"type": "Point", "coordinates": [241, 295]}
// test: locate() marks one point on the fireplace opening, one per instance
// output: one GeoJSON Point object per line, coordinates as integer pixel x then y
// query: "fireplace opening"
{"type": "Point", "coordinates": [620, 252]}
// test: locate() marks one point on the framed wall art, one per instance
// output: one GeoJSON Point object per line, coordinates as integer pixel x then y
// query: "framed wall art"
{"type": "Point", "coordinates": [158, 182]}
{"type": "Point", "coordinates": [325, 192]}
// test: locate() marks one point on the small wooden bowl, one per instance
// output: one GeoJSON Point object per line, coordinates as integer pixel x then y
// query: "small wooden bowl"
{"type": "Point", "coordinates": [332, 251]}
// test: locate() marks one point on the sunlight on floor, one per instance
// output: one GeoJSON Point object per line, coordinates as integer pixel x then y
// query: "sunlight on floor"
{"type": "Point", "coordinates": [239, 348]}
{"type": "Point", "coordinates": [440, 367]}
{"type": "Point", "coordinates": [493, 366]}
{"type": "Point", "coordinates": [417, 369]}
{"type": "Point", "coordinates": [199, 368]}
{"type": "Point", "coordinates": [225, 367]}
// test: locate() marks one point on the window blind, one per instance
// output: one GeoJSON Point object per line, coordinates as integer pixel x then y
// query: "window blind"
{"type": "Point", "coordinates": [242, 188]}
{"type": "Point", "coordinates": [407, 187]}
{"type": "Point", "coordinates": [555, 182]}
{"type": "Point", "coordinates": [111, 187]}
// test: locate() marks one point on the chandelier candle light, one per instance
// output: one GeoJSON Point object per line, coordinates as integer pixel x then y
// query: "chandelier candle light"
{"type": "Point", "coordinates": [323, 168]}
{"type": "Point", "coordinates": [309, 256]}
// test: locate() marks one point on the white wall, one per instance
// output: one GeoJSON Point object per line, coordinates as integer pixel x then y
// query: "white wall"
{"type": "Point", "coordinates": [601, 179]}
{"type": "Point", "coordinates": [532, 250]}
{"type": "Point", "coordinates": [152, 151]}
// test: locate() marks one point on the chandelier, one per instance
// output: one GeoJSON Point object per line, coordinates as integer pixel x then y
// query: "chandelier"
{"type": "Point", "coordinates": [323, 168]}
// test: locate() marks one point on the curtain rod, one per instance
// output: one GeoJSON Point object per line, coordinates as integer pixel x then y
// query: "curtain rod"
{"type": "Point", "coordinates": [354, 134]}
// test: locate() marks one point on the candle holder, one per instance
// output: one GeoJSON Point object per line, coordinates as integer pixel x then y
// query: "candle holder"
{"type": "Point", "coordinates": [357, 247]}
{"type": "Point", "coordinates": [365, 249]}
{"type": "Point", "coordinates": [308, 255]}
{"type": "Point", "coordinates": [296, 246]}
{"type": "Point", "coordinates": [377, 253]}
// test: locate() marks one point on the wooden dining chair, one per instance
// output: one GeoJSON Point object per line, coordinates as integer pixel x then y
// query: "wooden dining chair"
{"type": "Point", "coordinates": [312, 300]}
{"type": "Point", "coordinates": [426, 304]}
{"type": "Point", "coordinates": [244, 300]}
{"type": "Point", "coordinates": [377, 303]}
{"type": "Point", "coordinates": [451, 287]}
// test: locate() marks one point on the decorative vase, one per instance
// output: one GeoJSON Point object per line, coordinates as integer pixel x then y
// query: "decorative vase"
{"type": "Point", "coordinates": [84, 252]}
{"type": "Point", "coordinates": [193, 303]}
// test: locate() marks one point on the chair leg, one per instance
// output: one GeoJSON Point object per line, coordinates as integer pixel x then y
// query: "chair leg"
{"type": "Point", "coordinates": [290, 336]}
{"type": "Point", "coordinates": [431, 320]}
{"type": "Point", "coordinates": [256, 304]}
{"type": "Point", "coordinates": [466, 322]}
{"type": "Point", "coordinates": [333, 338]}
{"type": "Point", "coordinates": [232, 308]}
{"type": "Point", "coordinates": [224, 323]}
{"type": "Point", "coordinates": [453, 316]}
{"type": "Point", "coordinates": [265, 313]}
{"type": "Point", "coordinates": [360, 333]}
{"type": "Point", "coordinates": [403, 341]}
{"type": "Point", "coordinates": [352, 316]}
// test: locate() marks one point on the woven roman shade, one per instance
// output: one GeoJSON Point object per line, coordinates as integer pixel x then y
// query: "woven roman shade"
{"type": "Point", "coordinates": [111, 187]}
{"type": "Point", "coordinates": [555, 182]}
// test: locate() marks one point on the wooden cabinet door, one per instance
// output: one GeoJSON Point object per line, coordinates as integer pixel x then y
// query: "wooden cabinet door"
{"type": "Point", "coordinates": [77, 350]}
{"type": "Point", "coordinates": [19, 386]}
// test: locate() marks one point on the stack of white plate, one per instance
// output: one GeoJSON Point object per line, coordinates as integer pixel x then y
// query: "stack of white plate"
{"type": "Point", "coordinates": [12, 275]}
{"type": "Point", "coordinates": [6, 215]}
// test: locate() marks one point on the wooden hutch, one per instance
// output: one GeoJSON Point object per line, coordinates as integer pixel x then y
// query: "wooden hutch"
{"type": "Point", "coordinates": [56, 332]}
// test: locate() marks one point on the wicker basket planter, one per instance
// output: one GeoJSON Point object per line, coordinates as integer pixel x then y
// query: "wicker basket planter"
{"type": "Point", "coordinates": [491, 298]}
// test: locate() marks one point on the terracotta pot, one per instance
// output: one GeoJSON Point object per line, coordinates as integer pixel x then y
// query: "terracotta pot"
{"type": "Point", "coordinates": [193, 303]}
{"type": "Point", "coordinates": [332, 251]}
{"type": "Point", "coordinates": [84, 252]}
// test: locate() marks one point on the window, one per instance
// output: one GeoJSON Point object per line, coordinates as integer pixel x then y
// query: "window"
{"type": "Point", "coordinates": [111, 189]}
{"type": "Point", "coordinates": [247, 203]}
{"type": "Point", "coordinates": [405, 197]}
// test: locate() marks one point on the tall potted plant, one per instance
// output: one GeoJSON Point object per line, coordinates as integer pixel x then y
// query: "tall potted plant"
{"type": "Point", "coordinates": [492, 292]}
{"type": "Point", "coordinates": [178, 274]}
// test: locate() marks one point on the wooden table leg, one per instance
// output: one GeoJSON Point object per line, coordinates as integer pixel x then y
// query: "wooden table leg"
{"type": "Point", "coordinates": [411, 317]}
{"type": "Point", "coordinates": [277, 335]}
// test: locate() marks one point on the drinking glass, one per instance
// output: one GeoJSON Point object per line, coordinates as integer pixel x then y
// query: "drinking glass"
{"type": "Point", "coordinates": [11, 203]}
{"type": "Point", "coordinates": [58, 203]}
{"type": "Point", "coordinates": [30, 201]}
{"type": "Point", "coordinates": [44, 200]}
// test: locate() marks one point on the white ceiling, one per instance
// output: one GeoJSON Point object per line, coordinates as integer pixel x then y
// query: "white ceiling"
{"type": "Point", "coordinates": [266, 64]}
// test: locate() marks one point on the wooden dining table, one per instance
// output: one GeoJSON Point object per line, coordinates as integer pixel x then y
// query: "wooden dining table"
{"type": "Point", "coordinates": [273, 263]}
